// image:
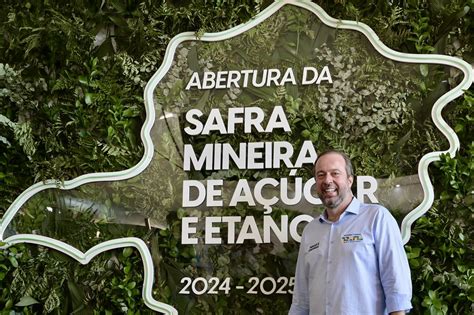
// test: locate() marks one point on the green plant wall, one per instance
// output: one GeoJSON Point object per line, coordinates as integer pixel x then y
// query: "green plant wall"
{"type": "Point", "coordinates": [71, 102]}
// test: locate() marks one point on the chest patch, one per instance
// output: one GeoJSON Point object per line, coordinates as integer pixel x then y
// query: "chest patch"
{"type": "Point", "coordinates": [351, 238]}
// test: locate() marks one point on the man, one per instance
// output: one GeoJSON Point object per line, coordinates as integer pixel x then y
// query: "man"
{"type": "Point", "coordinates": [351, 259]}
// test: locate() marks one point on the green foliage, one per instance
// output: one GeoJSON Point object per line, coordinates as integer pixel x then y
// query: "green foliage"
{"type": "Point", "coordinates": [71, 86]}
{"type": "Point", "coordinates": [42, 281]}
{"type": "Point", "coordinates": [441, 250]}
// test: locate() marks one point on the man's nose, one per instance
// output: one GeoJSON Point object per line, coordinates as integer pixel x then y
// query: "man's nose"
{"type": "Point", "coordinates": [327, 179]}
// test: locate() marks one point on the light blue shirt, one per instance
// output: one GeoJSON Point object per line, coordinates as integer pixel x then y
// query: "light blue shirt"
{"type": "Point", "coordinates": [354, 266]}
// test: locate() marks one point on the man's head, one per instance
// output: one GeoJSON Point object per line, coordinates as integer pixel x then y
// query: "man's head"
{"type": "Point", "coordinates": [334, 176]}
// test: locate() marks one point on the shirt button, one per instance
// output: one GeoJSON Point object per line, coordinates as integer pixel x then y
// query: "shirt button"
{"type": "Point", "coordinates": [332, 242]}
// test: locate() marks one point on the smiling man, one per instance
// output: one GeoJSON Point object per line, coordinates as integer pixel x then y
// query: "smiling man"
{"type": "Point", "coordinates": [351, 258]}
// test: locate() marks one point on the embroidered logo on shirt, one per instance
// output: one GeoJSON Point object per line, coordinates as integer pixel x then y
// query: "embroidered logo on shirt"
{"type": "Point", "coordinates": [313, 246]}
{"type": "Point", "coordinates": [350, 238]}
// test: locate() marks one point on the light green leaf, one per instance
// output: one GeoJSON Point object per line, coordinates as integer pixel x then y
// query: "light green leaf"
{"type": "Point", "coordinates": [13, 261]}
{"type": "Point", "coordinates": [127, 252]}
{"type": "Point", "coordinates": [26, 301]}
{"type": "Point", "coordinates": [424, 70]}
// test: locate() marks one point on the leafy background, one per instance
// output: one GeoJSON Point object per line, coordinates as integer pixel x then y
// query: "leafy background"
{"type": "Point", "coordinates": [71, 85]}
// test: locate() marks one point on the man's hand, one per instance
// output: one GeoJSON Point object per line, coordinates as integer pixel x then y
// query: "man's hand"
{"type": "Point", "coordinates": [398, 313]}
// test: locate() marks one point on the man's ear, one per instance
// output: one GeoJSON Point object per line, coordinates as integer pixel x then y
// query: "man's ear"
{"type": "Point", "coordinates": [351, 180]}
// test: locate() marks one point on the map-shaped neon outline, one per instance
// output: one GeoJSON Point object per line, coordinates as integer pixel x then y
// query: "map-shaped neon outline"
{"type": "Point", "coordinates": [86, 257]}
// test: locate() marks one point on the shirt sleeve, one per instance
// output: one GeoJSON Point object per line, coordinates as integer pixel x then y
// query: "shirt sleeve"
{"type": "Point", "coordinates": [393, 263]}
{"type": "Point", "coordinates": [300, 302]}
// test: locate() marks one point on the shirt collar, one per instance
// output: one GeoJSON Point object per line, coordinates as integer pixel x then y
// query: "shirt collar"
{"type": "Point", "coordinates": [352, 208]}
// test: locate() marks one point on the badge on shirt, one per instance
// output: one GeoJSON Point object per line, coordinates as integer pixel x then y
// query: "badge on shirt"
{"type": "Point", "coordinates": [353, 237]}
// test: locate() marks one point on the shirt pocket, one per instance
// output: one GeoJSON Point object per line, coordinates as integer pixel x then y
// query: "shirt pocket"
{"type": "Point", "coordinates": [314, 260]}
{"type": "Point", "coordinates": [359, 251]}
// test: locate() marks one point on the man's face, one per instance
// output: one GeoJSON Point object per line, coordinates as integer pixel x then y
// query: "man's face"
{"type": "Point", "coordinates": [333, 185]}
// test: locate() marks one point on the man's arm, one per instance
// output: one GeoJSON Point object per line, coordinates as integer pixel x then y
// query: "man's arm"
{"type": "Point", "coordinates": [393, 264]}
